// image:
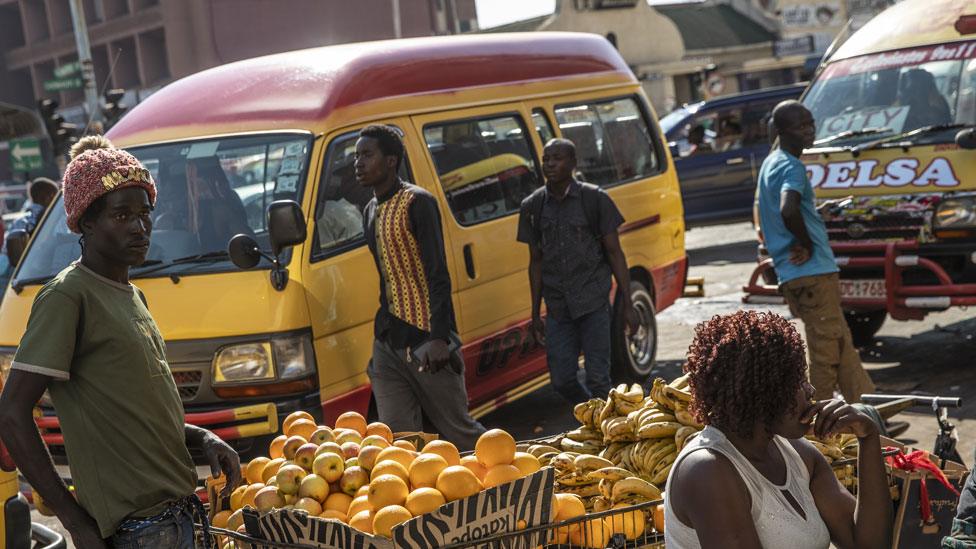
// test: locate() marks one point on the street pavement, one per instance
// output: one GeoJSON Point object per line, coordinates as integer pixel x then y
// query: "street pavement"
{"type": "Point", "coordinates": [930, 357]}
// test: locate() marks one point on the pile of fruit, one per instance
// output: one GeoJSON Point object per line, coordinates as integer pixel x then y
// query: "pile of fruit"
{"type": "Point", "coordinates": [836, 448]}
{"type": "Point", "coordinates": [357, 474]}
{"type": "Point", "coordinates": [625, 446]}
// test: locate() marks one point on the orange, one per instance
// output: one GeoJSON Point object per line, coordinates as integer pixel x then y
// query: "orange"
{"type": "Point", "coordinates": [333, 514]}
{"type": "Point", "coordinates": [479, 470]}
{"type": "Point", "coordinates": [444, 449]}
{"type": "Point", "coordinates": [363, 490]}
{"type": "Point", "coordinates": [271, 469]}
{"type": "Point", "coordinates": [362, 521]}
{"type": "Point", "coordinates": [387, 490]}
{"type": "Point", "coordinates": [390, 467]}
{"type": "Point", "coordinates": [237, 497]}
{"type": "Point", "coordinates": [236, 520]}
{"type": "Point", "coordinates": [406, 445]}
{"type": "Point", "coordinates": [293, 417]}
{"type": "Point", "coordinates": [380, 429]}
{"type": "Point", "coordinates": [495, 447]}
{"type": "Point", "coordinates": [220, 519]}
{"type": "Point", "coordinates": [568, 506]}
{"type": "Point", "coordinates": [630, 523]}
{"type": "Point", "coordinates": [403, 456]}
{"type": "Point", "coordinates": [424, 470]}
{"type": "Point", "coordinates": [337, 502]}
{"type": "Point", "coordinates": [249, 494]}
{"type": "Point", "coordinates": [659, 517]}
{"type": "Point", "coordinates": [302, 428]}
{"type": "Point", "coordinates": [252, 472]}
{"type": "Point", "coordinates": [352, 420]}
{"type": "Point", "coordinates": [458, 482]}
{"type": "Point", "coordinates": [424, 500]}
{"type": "Point", "coordinates": [501, 474]}
{"type": "Point", "coordinates": [358, 504]}
{"type": "Point", "coordinates": [274, 449]}
{"type": "Point", "coordinates": [526, 462]}
{"type": "Point", "coordinates": [388, 517]}
{"type": "Point", "coordinates": [594, 534]}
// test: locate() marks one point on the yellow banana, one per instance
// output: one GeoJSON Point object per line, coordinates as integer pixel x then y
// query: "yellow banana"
{"type": "Point", "coordinates": [585, 491]}
{"type": "Point", "coordinates": [587, 463]}
{"type": "Point", "coordinates": [682, 434]}
{"type": "Point", "coordinates": [633, 486]}
{"type": "Point", "coordinates": [680, 383]}
{"type": "Point", "coordinates": [612, 474]}
{"type": "Point", "coordinates": [662, 468]}
{"type": "Point", "coordinates": [833, 452]}
{"type": "Point", "coordinates": [676, 395]}
{"type": "Point", "coordinates": [606, 488]}
{"type": "Point", "coordinates": [588, 447]}
{"type": "Point", "coordinates": [659, 396]}
{"type": "Point", "coordinates": [685, 417]}
{"type": "Point", "coordinates": [624, 407]}
{"type": "Point", "coordinates": [546, 458]}
{"type": "Point", "coordinates": [575, 479]}
{"type": "Point", "coordinates": [607, 411]}
{"type": "Point", "coordinates": [612, 451]}
{"type": "Point", "coordinates": [579, 410]}
{"type": "Point", "coordinates": [564, 463]}
{"type": "Point", "coordinates": [658, 429]}
{"type": "Point", "coordinates": [650, 463]}
{"type": "Point", "coordinates": [583, 434]}
{"type": "Point", "coordinates": [601, 503]}
{"type": "Point", "coordinates": [633, 394]}
{"type": "Point", "coordinates": [539, 449]}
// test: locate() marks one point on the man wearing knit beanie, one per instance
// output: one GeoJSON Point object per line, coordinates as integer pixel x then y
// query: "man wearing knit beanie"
{"type": "Point", "coordinates": [92, 344]}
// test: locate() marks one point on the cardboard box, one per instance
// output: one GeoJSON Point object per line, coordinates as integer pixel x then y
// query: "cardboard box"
{"type": "Point", "coordinates": [488, 513]}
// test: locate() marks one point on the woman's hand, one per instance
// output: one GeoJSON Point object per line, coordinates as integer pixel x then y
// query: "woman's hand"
{"type": "Point", "coordinates": [837, 416]}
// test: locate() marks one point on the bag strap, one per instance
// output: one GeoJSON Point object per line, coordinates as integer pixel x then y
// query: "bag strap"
{"type": "Point", "coordinates": [590, 195]}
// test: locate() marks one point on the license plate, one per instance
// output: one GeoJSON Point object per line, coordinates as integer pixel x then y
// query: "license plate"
{"type": "Point", "coordinates": [867, 288]}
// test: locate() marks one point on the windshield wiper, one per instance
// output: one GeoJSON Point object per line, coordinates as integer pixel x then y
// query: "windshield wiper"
{"type": "Point", "coordinates": [849, 133]}
{"type": "Point", "coordinates": [917, 132]}
{"type": "Point", "coordinates": [208, 257]}
{"type": "Point", "coordinates": [19, 284]}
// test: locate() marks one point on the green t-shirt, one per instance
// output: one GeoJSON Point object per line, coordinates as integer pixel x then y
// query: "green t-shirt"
{"type": "Point", "coordinates": [119, 409]}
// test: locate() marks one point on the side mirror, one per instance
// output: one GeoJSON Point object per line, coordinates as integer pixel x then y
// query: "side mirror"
{"type": "Point", "coordinates": [244, 251]}
{"type": "Point", "coordinates": [16, 244]}
{"type": "Point", "coordinates": [286, 225]}
{"type": "Point", "coordinates": [966, 139]}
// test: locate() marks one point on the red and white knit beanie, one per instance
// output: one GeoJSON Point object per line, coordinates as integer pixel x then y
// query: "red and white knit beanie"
{"type": "Point", "coordinates": [96, 169]}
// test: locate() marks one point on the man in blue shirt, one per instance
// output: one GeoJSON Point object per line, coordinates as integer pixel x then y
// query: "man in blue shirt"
{"type": "Point", "coordinates": [796, 238]}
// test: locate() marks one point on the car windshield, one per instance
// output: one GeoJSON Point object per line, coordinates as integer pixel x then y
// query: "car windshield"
{"type": "Point", "coordinates": [891, 93]}
{"type": "Point", "coordinates": [208, 191]}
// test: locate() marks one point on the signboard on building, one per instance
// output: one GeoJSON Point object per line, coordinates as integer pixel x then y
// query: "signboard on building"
{"type": "Point", "coordinates": [819, 14]}
{"type": "Point", "coordinates": [25, 154]}
{"type": "Point", "coordinates": [802, 45]}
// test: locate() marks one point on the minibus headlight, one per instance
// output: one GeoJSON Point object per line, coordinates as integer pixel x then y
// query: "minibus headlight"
{"type": "Point", "coordinates": [956, 213]}
{"type": "Point", "coordinates": [293, 356]}
{"type": "Point", "coordinates": [243, 363]}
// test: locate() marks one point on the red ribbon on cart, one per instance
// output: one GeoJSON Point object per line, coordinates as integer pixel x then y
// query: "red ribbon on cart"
{"type": "Point", "coordinates": [915, 461]}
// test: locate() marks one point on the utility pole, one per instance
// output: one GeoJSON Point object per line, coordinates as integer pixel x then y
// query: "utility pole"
{"type": "Point", "coordinates": [397, 29]}
{"type": "Point", "coordinates": [85, 58]}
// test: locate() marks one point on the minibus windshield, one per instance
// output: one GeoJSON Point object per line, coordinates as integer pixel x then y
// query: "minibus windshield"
{"type": "Point", "coordinates": [892, 93]}
{"type": "Point", "coordinates": [208, 191]}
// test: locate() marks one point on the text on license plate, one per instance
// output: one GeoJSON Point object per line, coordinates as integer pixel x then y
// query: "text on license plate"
{"type": "Point", "coordinates": [866, 288]}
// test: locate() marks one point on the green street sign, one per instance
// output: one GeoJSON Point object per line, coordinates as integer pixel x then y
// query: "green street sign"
{"type": "Point", "coordinates": [67, 70]}
{"type": "Point", "coordinates": [25, 154]}
{"type": "Point", "coordinates": [61, 84]}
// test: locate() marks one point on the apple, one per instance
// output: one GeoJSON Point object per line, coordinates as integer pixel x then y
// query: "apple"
{"type": "Point", "coordinates": [305, 455]}
{"type": "Point", "coordinates": [353, 479]}
{"type": "Point", "coordinates": [310, 505]}
{"type": "Point", "coordinates": [322, 435]}
{"type": "Point", "coordinates": [367, 456]}
{"type": "Point", "coordinates": [352, 462]}
{"type": "Point", "coordinates": [315, 487]}
{"type": "Point", "coordinates": [329, 466]}
{"type": "Point", "coordinates": [268, 498]}
{"type": "Point", "coordinates": [348, 435]}
{"type": "Point", "coordinates": [350, 449]}
{"type": "Point", "coordinates": [289, 478]}
{"type": "Point", "coordinates": [291, 446]}
{"type": "Point", "coordinates": [374, 440]}
{"type": "Point", "coordinates": [328, 447]}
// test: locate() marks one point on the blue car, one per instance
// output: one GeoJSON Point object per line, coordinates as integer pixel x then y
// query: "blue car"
{"type": "Point", "coordinates": [718, 146]}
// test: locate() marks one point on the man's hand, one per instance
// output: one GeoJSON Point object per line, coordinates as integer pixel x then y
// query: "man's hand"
{"type": "Point", "coordinates": [438, 356]}
{"type": "Point", "coordinates": [223, 460]}
{"type": "Point", "coordinates": [84, 533]}
{"type": "Point", "coordinates": [631, 322]}
{"type": "Point", "coordinates": [537, 331]}
{"type": "Point", "coordinates": [799, 254]}
{"type": "Point", "coordinates": [827, 205]}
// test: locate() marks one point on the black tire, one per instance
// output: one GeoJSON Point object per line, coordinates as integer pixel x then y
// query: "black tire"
{"type": "Point", "coordinates": [864, 324]}
{"type": "Point", "coordinates": [633, 358]}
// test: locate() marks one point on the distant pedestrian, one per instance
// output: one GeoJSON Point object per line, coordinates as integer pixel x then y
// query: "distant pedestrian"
{"type": "Point", "coordinates": [571, 229]}
{"type": "Point", "coordinates": [414, 371]}
{"type": "Point", "coordinates": [796, 238]}
{"type": "Point", "coordinates": [42, 192]}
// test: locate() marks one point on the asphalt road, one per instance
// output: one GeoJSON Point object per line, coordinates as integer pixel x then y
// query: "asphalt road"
{"type": "Point", "coordinates": [930, 357]}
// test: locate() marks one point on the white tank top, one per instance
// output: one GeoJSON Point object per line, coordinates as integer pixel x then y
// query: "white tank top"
{"type": "Point", "coordinates": [777, 522]}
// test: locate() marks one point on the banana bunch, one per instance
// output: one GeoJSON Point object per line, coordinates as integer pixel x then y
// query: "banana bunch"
{"type": "Point", "coordinates": [836, 447]}
{"type": "Point", "coordinates": [588, 413]}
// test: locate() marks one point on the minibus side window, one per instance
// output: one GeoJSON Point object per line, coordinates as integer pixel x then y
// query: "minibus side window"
{"type": "Point", "coordinates": [486, 166]}
{"type": "Point", "coordinates": [339, 210]}
{"type": "Point", "coordinates": [613, 140]}
{"type": "Point", "coordinates": [542, 125]}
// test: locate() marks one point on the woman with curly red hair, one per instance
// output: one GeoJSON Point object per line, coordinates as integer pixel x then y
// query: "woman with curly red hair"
{"type": "Point", "coordinates": [750, 479]}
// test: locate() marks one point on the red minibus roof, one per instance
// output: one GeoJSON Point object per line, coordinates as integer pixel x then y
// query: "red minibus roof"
{"type": "Point", "coordinates": [276, 91]}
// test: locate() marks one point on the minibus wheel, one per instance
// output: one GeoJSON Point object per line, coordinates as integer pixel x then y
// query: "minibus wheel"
{"type": "Point", "coordinates": [633, 356]}
{"type": "Point", "coordinates": [864, 324]}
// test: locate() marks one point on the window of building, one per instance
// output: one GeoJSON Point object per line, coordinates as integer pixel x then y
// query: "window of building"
{"type": "Point", "coordinates": [613, 140]}
{"type": "Point", "coordinates": [542, 125]}
{"type": "Point", "coordinates": [339, 211]}
{"type": "Point", "coordinates": [485, 166]}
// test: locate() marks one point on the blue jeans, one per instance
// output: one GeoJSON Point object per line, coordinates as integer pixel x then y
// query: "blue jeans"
{"type": "Point", "coordinates": [565, 339]}
{"type": "Point", "coordinates": [173, 530]}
